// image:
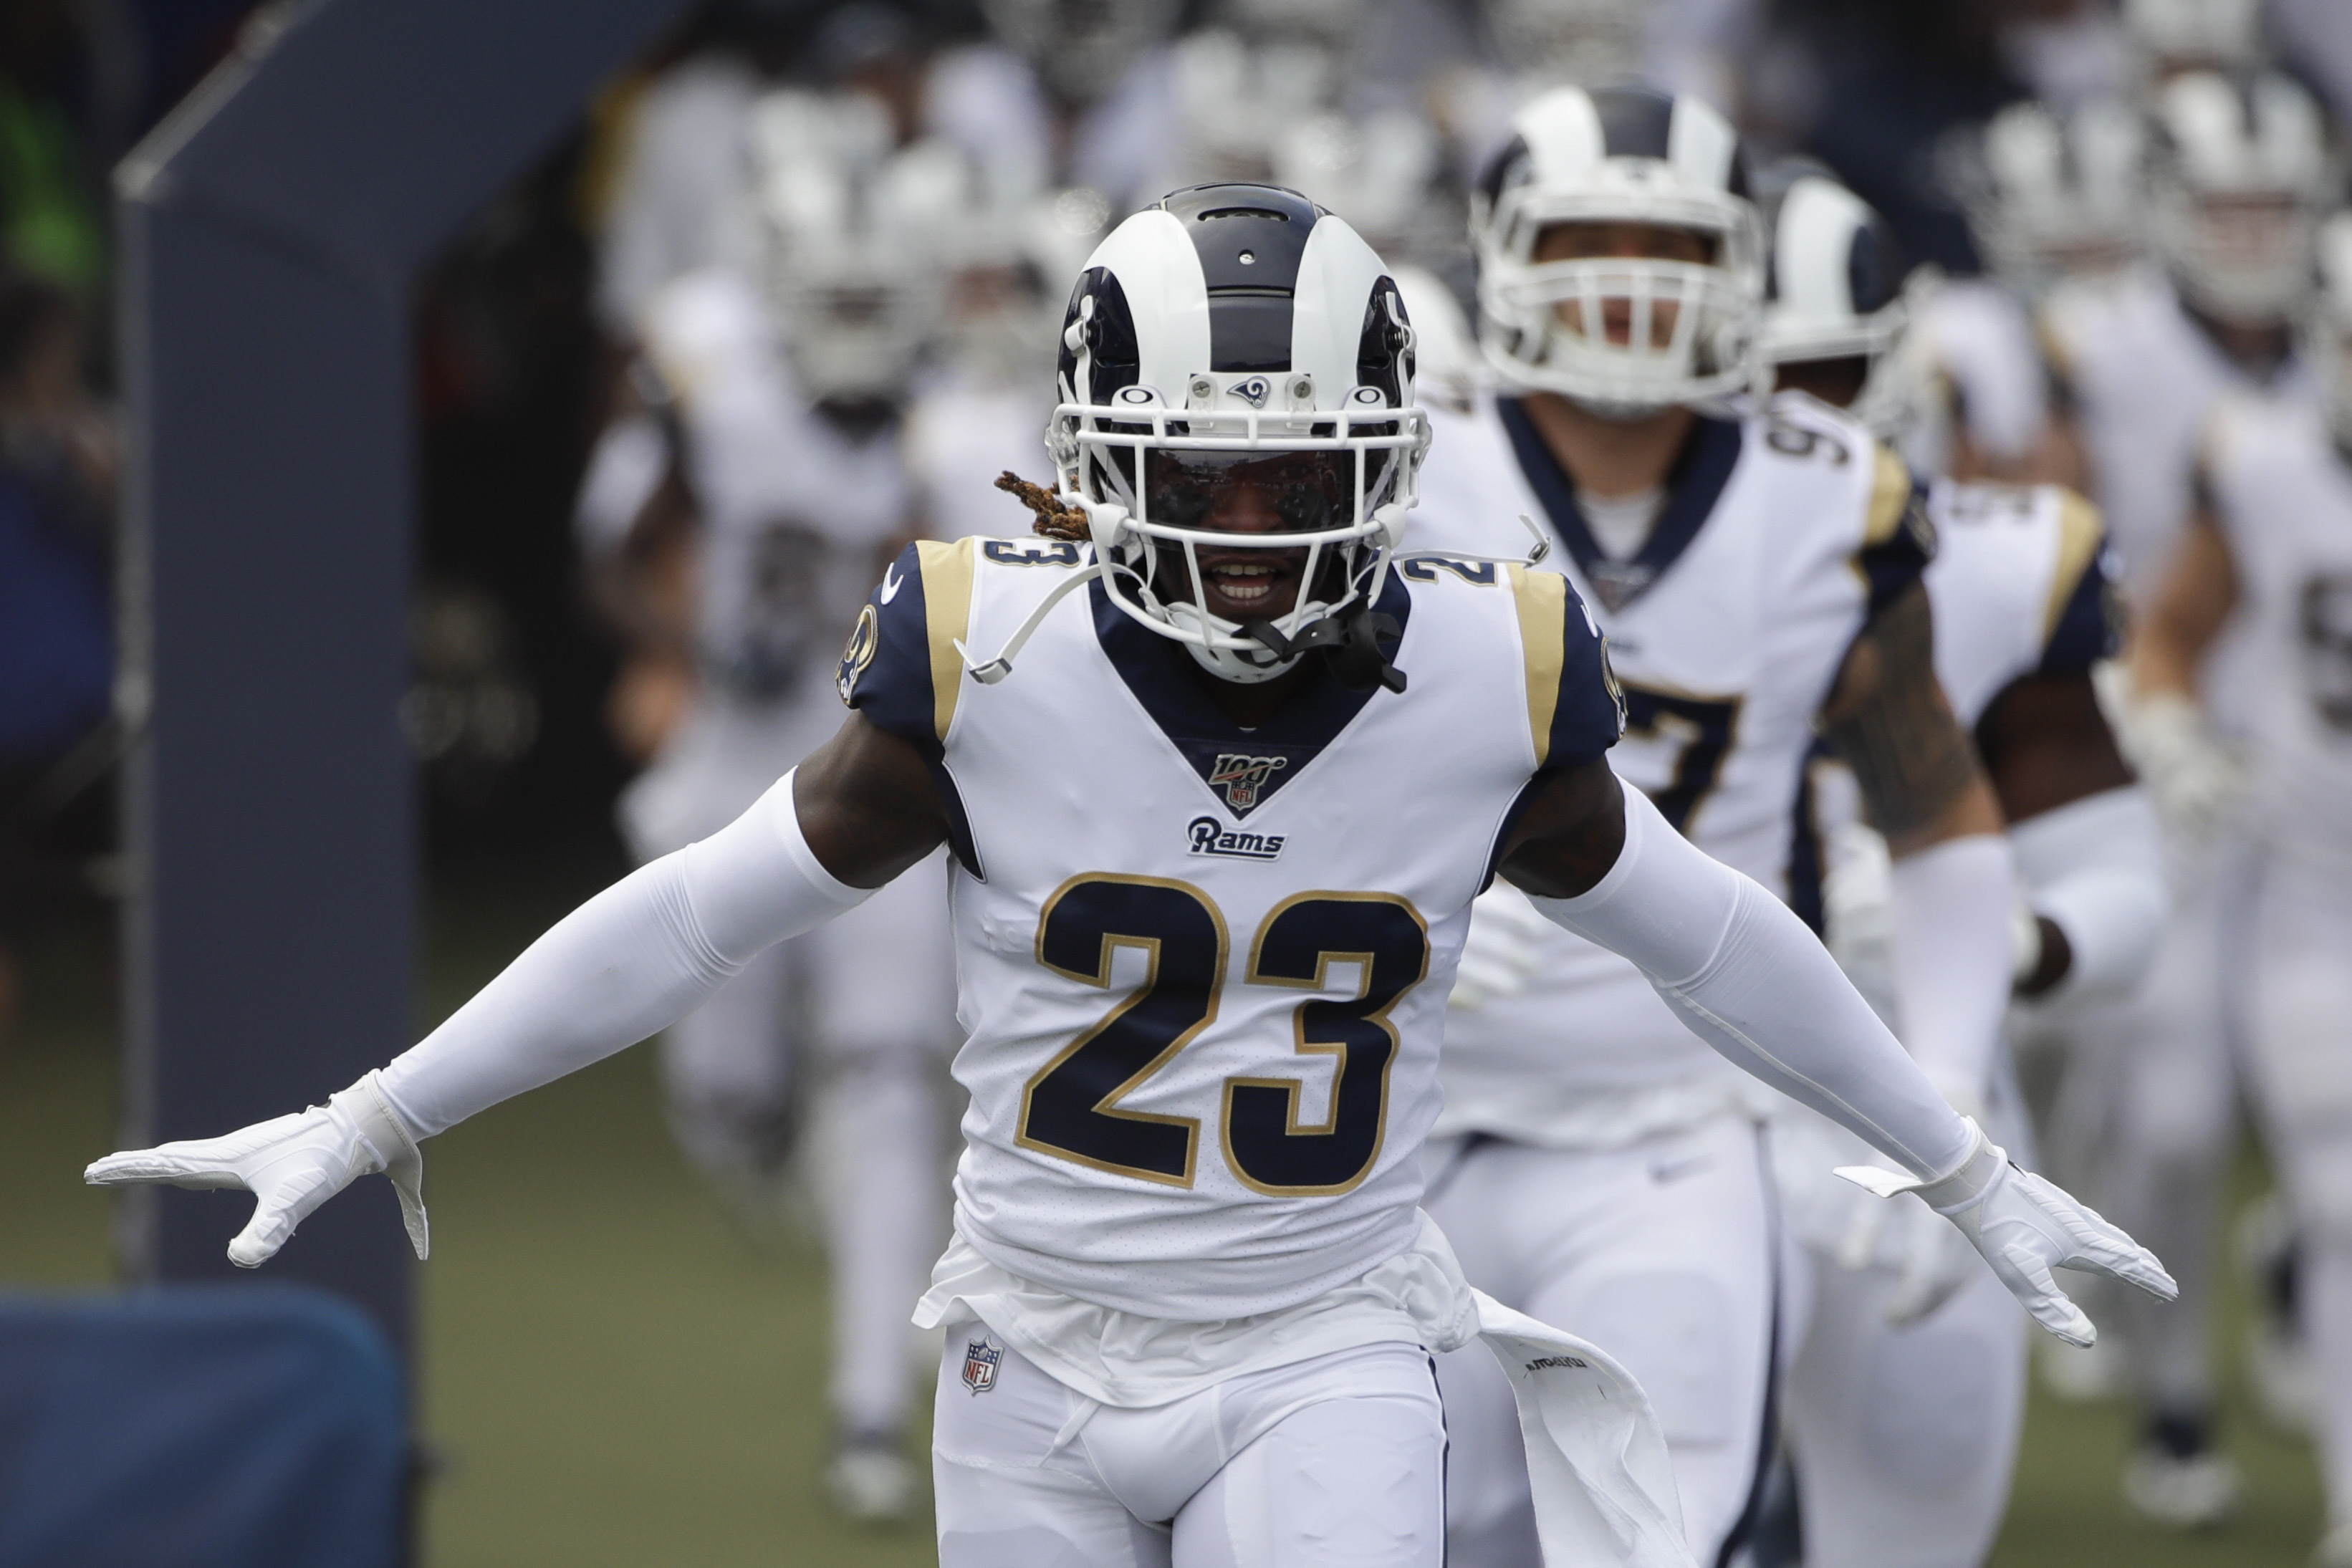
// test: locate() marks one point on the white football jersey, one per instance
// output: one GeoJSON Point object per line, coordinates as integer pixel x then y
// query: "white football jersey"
{"type": "Point", "coordinates": [2144, 377]}
{"type": "Point", "coordinates": [2281, 492]}
{"type": "Point", "coordinates": [1780, 536]}
{"type": "Point", "coordinates": [797, 515]}
{"type": "Point", "coordinates": [2018, 585]}
{"type": "Point", "coordinates": [1204, 970]}
{"type": "Point", "coordinates": [1970, 348]}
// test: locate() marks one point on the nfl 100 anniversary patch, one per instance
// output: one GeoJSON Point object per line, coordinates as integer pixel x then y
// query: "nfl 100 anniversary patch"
{"type": "Point", "coordinates": [982, 1357]}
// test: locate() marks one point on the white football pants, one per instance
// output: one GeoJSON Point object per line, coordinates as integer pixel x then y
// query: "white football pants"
{"type": "Point", "coordinates": [2298, 1032]}
{"type": "Point", "coordinates": [1902, 1439]}
{"type": "Point", "coordinates": [863, 1010]}
{"type": "Point", "coordinates": [1663, 1254]}
{"type": "Point", "coordinates": [1334, 1462]}
{"type": "Point", "coordinates": [2176, 1111]}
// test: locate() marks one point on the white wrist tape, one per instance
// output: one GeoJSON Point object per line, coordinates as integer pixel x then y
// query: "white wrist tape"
{"type": "Point", "coordinates": [631, 961]}
{"type": "Point", "coordinates": [1955, 956]}
{"type": "Point", "coordinates": [2094, 868]}
{"type": "Point", "coordinates": [1750, 980]}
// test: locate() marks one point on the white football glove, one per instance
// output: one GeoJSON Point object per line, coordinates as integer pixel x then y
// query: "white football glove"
{"type": "Point", "coordinates": [2025, 1227]}
{"type": "Point", "coordinates": [2191, 777]}
{"type": "Point", "coordinates": [1503, 950]}
{"type": "Point", "coordinates": [291, 1164]}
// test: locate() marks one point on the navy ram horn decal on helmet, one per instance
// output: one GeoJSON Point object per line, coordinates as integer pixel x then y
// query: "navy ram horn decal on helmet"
{"type": "Point", "coordinates": [1238, 337]}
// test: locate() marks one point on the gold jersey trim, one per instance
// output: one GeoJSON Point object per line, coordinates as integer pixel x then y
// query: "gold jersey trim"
{"type": "Point", "coordinates": [2080, 531]}
{"type": "Point", "coordinates": [1542, 597]}
{"type": "Point", "coordinates": [1890, 493]}
{"type": "Point", "coordinates": [947, 571]}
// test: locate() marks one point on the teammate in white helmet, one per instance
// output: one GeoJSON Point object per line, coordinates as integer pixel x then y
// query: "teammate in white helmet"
{"type": "Point", "coordinates": [739, 523]}
{"type": "Point", "coordinates": [1220, 785]}
{"type": "Point", "coordinates": [2268, 551]}
{"type": "Point", "coordinates": [1758, 579]}
{"type": "Point", "coordinates": [1904, 1388]}
{"type": "Point", "coordinates": [2051, 196]}
{"type": "Point", "coordinates": [2240, 173]}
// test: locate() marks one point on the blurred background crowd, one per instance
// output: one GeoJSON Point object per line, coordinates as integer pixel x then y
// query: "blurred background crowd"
{"type": "Point", "coordinates": [787, 297]}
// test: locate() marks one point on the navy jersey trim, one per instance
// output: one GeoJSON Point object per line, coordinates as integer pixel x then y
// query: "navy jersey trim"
{"type": "Point", "coordinates": [1242, 769]}
{"type": "Point", "coordinates": [1891, 564]}
{"type": "Point", "coordinates": [2089, 629]}
{"type": "Point", "coordinates": [886, 673]}
{"type": "Point", "coordinates": [1695, 483]}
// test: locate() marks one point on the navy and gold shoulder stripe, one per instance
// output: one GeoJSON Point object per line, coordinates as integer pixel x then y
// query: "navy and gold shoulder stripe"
{"type": "Point", "coordinates": [901, 669]}
{"type": "Point", "coordinates": [2081, 620]}
{"type": "Point", "coordinates": [1897, 540]}
{"type": "Point", "coordinates": [1575, 710]}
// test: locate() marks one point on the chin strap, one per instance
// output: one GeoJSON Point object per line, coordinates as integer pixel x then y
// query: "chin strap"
{"type": "Point", "coordinates": [1350, 648]}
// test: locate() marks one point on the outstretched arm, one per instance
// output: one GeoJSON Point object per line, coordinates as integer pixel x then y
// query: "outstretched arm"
{"type": "Point", "coordinates": [631, 961]}
{"type": "Point", "coordinates": [1749, 979]}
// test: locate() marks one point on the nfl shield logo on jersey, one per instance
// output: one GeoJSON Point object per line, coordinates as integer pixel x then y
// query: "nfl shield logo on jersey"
{"type": "Point", "coordinates": [981, 1360]}
{"type": "Point", "coordinates": [1241, 777]}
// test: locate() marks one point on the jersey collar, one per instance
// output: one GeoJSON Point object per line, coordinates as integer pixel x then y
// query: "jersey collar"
{"type": "Point", "coordinates": [1242, 768]}
{"type": "Point", "coordinates": [1693, 487]}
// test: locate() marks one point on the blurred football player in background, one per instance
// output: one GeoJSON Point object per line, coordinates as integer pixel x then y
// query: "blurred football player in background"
{"type": "Point", "coordinates": [1904, 1392]}
{"type": "Point", "coordinates": [2267, 555]}
{"type": "Point", "coordinates": [736, 512]}
{"type": "Point", "coordinates": [1758, 579]}
{"type": "Point", "coordinates": [2238, 173]}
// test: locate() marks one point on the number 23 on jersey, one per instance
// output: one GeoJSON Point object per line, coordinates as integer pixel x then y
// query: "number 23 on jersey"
{"type": "Point", "coordinates": [1071, 1108]}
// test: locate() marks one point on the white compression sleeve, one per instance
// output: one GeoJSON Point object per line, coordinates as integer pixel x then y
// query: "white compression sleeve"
{"type": "Point", "coordinates": [2094, 868]}
{"type": "Point", "coordinates": [1954, 955]}
{"type": "Point", "coordinates": [633, 960]}
{"type": "Point", "coordinates": [1750, 980]}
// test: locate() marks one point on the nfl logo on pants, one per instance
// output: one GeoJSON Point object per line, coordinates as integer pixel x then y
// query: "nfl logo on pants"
{"type": "Point", "coordinates": [981, 1360]}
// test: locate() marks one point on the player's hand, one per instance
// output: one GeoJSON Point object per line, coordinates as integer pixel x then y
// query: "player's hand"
{"type": "Point", "coordinates": [2025, 1227]}
{"type": "Point", "coordinates": [291, 1164]}
{"type": "Point", "coordinates": [2191, 777]}
{"type": "Point", "coordinates": [1503, 950]}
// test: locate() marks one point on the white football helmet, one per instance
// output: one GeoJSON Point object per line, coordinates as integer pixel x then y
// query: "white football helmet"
{"type": "Point", "coordinates": [1838, 294]}
{"type": "Point", "coordinates": [2052, 195]}
{"type": "Point", "coordinates": [1082, 48]}
{"type": "Point", "coordinates": [1619, 156]}
{"type": "Point", "coordinates": [852, 248]}
{"type": "Point", "coordinates": [2238, 173]}
{"type": "Point", "coordinates": [2327, 326]}
{"type": "Point", "coordinates": [1239, 333]}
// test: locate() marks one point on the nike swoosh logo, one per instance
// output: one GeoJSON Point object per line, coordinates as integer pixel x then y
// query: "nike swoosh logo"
{"type": "Point", "coordinates": [891, 583]}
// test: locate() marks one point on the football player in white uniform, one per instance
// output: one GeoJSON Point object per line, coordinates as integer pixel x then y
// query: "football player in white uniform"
{"type": "Point", "coordinates": [2269, 551]}
{"type": "Point", "coordinates": [1759, 580]}
{"type": "Point", "coordinates": [2051, 197]}
{"type": "Point", "coordinates": [1904, 1387]}
{"type": "Point", "coordinates": [1215, 841]}
{"type": "Point", "coordinates": [2240, 174]}
{"type": "Point", "coordinates": [761, 500]}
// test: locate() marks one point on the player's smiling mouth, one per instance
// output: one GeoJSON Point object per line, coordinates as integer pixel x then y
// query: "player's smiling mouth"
{"type": "Point", "coordinates": [1255, 585]}
{"type": "Point", "coordinates": [1251, 583]}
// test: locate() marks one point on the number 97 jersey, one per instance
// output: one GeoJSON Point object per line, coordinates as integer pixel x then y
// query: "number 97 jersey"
{"type": "Point", "coordinates": [1204, 970]}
